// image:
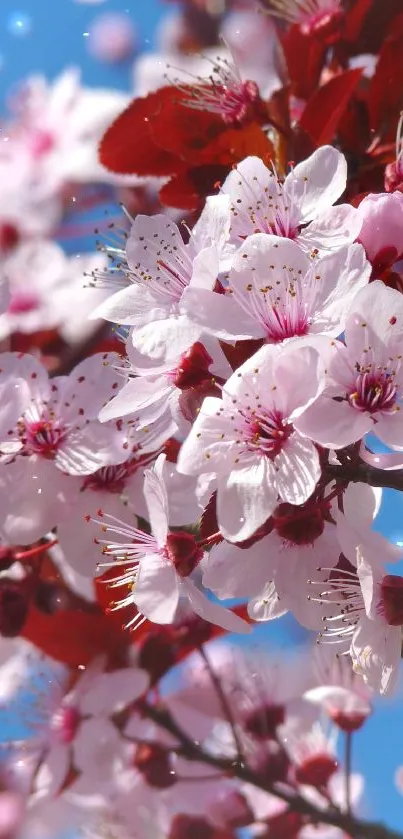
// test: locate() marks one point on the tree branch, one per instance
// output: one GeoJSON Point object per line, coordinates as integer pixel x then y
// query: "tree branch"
{"type": "Point", "coordinates": [364, 473]}
{"type": "Point", "coordinates": [356, 828]}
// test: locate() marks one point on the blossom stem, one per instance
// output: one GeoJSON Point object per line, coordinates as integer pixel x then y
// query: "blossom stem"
{"type": "Point", "coordinates": [34, 552]}
{"type": "Point", "coordinates": [210, 540]}
{"type": "Point", "coordinates": [225, 705]}
{"type": "Point", "coordinates": [348, 756]}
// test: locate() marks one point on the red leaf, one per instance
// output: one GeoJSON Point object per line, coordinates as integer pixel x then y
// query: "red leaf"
{"type": "Point", "coordinates": [129, 145]}
{"type": "Point", "coordinates": [189, 189]}
{"type": "Point", "coordinates": [234, 144]}
{"type": "Point", "coordinates": [184, 131]}
{"type": "Point", "coordinates": [74, 637]}
{"type": "Point", "coordinates": [326, 106]}
{"type": "Point", "coordinates": [305, 58]}
{"type": "Point", "coordinates": [355, 19]}
{"type": "Point", "coordinates": [386, 91]}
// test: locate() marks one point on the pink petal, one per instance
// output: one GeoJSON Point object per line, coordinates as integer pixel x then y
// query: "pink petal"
{"type": "Point", "coordinates": [165, 340]}
{"type": "Point", "coordinates": [157, 501]}
{"type": "Point", "coordinates": [333, 424]}
{"type": "Point", "coordinates": [109, 693]}
{"type": "Point", "coordinates": [297, 470]}
{"type": "Point", "coordinates": [132, 306]}
{"type": "Point", "coordinates": [238, 572]}
{"type": "Point", "coordinates": [91, 384]}
{"type": "Point", "coordinates": [87, 449]}
{"type": "Point", "coordinates": [213, 612]}
{"type": "Point", "coordinates": [317, 182]}
{"type": "Point", "coordinates": [245, 500]}
{"type": "Point", "coordinates": [156, 594]}
{"type": "Point", "coordinates": [53, 770]}
{"type": "Point", "coordinates": [267, 605]}
{"type": "Point", "coordinates": [219, 314]}
{"type": "Point", "coordinates": [332, 229]}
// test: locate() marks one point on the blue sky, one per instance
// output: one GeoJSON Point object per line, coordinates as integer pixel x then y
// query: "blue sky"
{"type": "Point", "coordinates": [47, 36]}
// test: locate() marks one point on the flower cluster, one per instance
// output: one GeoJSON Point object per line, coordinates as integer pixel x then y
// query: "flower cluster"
{"type": "Point", "coordinates": [204, 410]}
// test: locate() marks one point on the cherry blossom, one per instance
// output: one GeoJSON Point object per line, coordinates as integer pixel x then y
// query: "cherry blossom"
{"type": "Point", "coordinates": [364, 375]}
{"type": "Point", "coordinates": [298, 208]}
{"type": "Point", "coordinates": [43, 284]}
{"type": "Point", "coordinates": [57, 127]}
{"type": "Point", "coordinates": [76, 726]}
{"type": "Point", "coordinates": [166, 396]}
{"type": "Point", "coordinates": [376, 645]}
{"type": "Point", "coordinates": [275, 292]}
{"type": "Point", "coordinates": [222, 81]}
{"type": "Point", "coordinates": [381, 231]}
{"type": "Point", "coordinates": [159, 269]}
{"type": "Point", "coordinates": [158, 566]}
{"type": "Point", "coordinates": [341, 692]}
{"type": "Point", "coordinates": [314, 17]}
{"type": "Point", "coordinates": [250, 438]}
{"type": "Point", "coordinates": [118, 489]}
{"type": "Point", "coordinates": [58, 421]}
{"type": "Point", "coordinates": [51, 432]}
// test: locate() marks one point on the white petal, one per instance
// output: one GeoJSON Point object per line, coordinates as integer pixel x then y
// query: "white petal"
{"type": "Point", "coordinates": [156, 594]}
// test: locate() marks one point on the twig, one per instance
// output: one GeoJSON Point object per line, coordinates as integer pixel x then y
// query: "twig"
{"type": "Point", "coordinates": [356, 828]}
{"type": "Point", "coordinates": [225, 705]}
{"type": "Point", "coordinates": [347, 769]}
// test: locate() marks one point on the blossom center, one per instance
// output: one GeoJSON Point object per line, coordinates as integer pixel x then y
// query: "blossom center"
{"type": "Point", "coordinates": [316, 770]}
{"type": "Point", "coordinates": [65, 723]}
{"type": "Point", "coordinates": [9, 237]}
{"type": "Point", "coordinates": [224, 93]}
{"type": "Point", "coordinates": [391, 604]}
{"type": "Point", "coordinates": [374, 391]}
{"type": "Point", "coordinates": [266, 432]}
{"type": "Point", "coordinates": [183, 552]}
{"type": "Point", "coordinates": [23, 302]}
{"type": "Point", "coordinates": [263, 721]}
{"type": "Point", "coordinates": [43, 437]}
{"type": "Point", "coordinates": [154, 763]}
{"type": "Point", "coordinates": [300, 525]}
{"type": "Point", "coordinates": [193, 368]}
{"type": "Point", "coordinates": [41, 142]}
{"type": "Point", "coordinates": [237, 102]}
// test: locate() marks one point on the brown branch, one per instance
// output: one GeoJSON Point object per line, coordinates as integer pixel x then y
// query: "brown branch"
{"type": "Point", "coordinates": [356, 828]}
{"type": "Point", "coordinates": [364, 473]}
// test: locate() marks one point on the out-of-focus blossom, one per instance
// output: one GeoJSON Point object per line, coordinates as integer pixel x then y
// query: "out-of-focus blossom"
{"type": "Point", "coordinates": [112, 38]}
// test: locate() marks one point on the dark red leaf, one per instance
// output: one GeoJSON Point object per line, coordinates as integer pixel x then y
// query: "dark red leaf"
{"type": "Point", "coordinates": [305, 58]}
{"type": "Point", "coordinates": [184, 131]}
{"type": "Point", "coordinates": [354, 20]}
{"type": "Point", "coordinates": [326, 106]}
{"type": "Point", "coordinates": [189, 189]}
{"type": "Point", "coordinates": [386, 90]}
{"type": "Point", "coordinates": [234, 144]}
{"type": "Point", "coordinates": [74, 637]}
{"type": "Point", "coordinates": [129, 145]}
